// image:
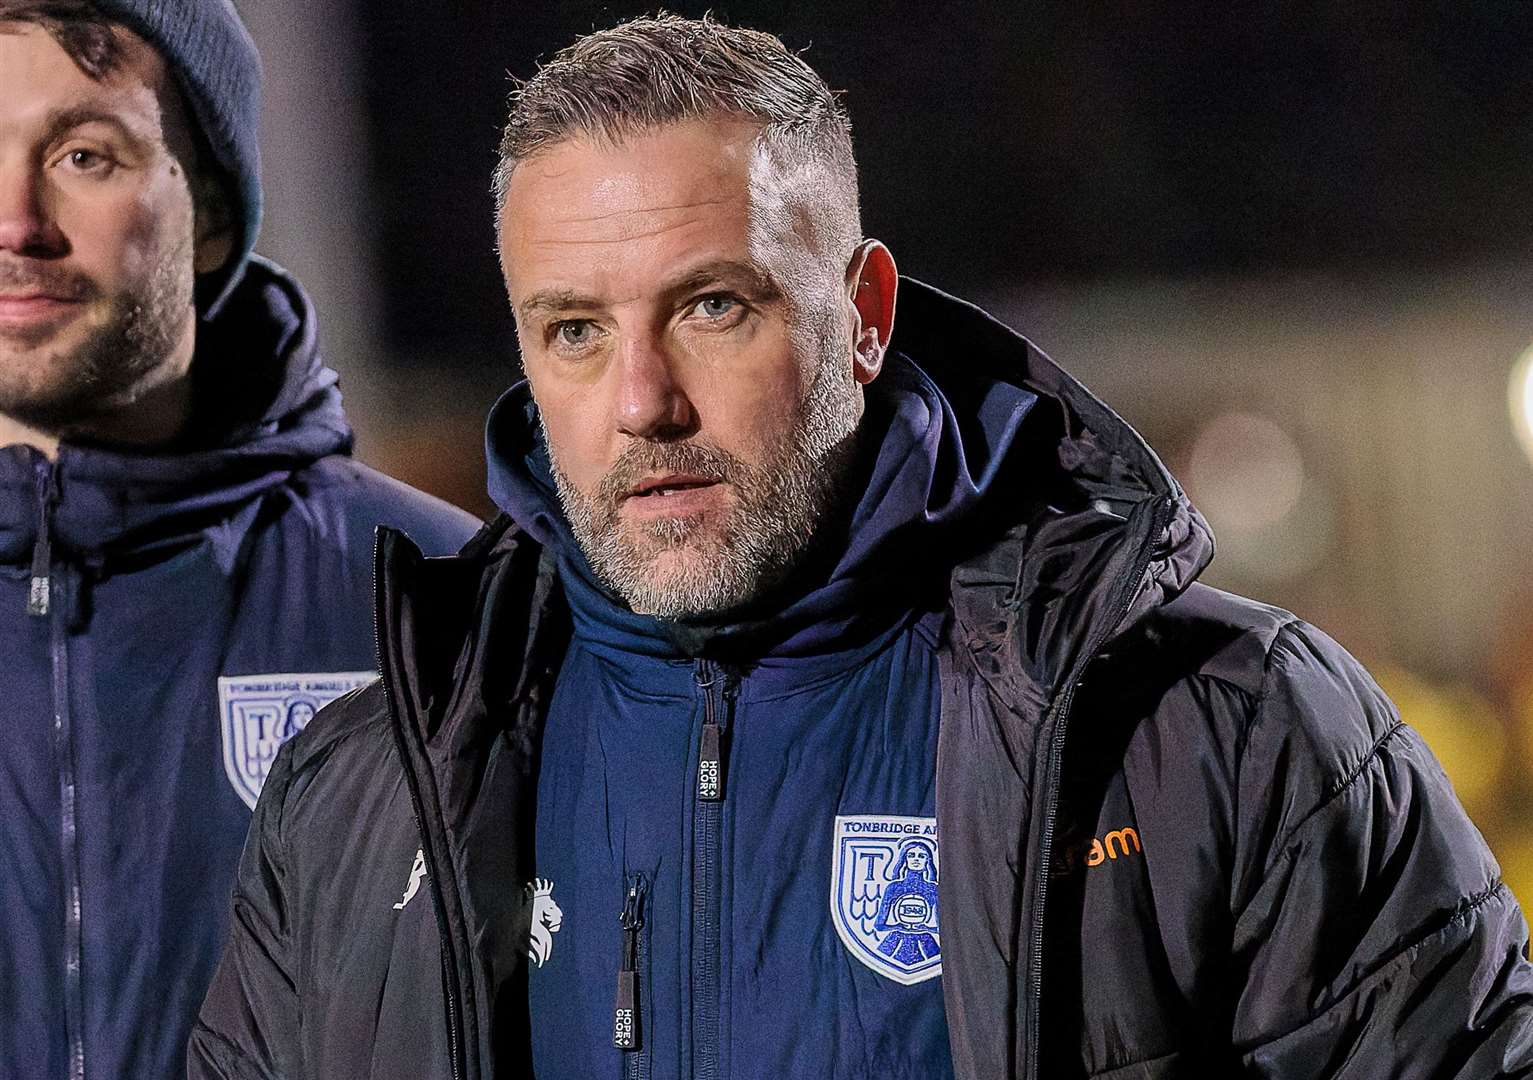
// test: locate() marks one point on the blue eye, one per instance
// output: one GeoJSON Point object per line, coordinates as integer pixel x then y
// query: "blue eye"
{"type": "Point", "coordinates": [575, 333]}
{"type": "Point", "coordinates": [716, 307]}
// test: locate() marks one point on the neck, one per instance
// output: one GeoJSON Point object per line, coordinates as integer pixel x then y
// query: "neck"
{"type": "Point", "coordinates": [14, 432]}
{"type": "Point", "coordinates": [154, 418]}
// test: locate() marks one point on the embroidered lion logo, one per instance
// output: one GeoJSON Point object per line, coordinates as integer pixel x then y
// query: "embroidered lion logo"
{"type": "Point", "coordinates": [546, 920]}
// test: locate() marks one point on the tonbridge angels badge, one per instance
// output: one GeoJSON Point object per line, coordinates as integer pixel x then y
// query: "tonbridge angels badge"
{"type": "Point", "coordinates": [883, 894]}
{"type": "Point", "coordinates": [261, 712]}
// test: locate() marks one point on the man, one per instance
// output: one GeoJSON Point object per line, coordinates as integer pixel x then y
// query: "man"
{"type": "Point", "coordinates": [185, 548]}
{"type": "Point", "coordinates": [831, 704]}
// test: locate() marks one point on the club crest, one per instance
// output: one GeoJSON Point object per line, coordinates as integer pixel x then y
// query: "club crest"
{"type": "Point", "coordinates": [258, 713]}
{"type": "Point", "coordinates": [883, 894]}
{"type": "Point", "coordinates": [547, 918]}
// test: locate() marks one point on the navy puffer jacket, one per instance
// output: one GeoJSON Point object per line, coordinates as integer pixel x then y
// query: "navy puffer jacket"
{"type": "Point", "coordinates": [167, 619]}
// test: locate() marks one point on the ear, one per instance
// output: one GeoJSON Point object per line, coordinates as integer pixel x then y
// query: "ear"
{"type": "Point", "coordinates": [871, 282]}
{"type": "Point", "coordinates": [213, 227]}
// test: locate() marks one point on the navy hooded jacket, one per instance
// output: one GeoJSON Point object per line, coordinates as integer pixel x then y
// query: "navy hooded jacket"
{"type": "Point", "coordinates": [167, 619]}
{"type": "Point", "coordinates": [811, 889]}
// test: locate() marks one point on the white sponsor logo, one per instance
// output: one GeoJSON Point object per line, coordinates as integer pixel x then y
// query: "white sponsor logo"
{"type": "Point", "coordinates": [258, 713]}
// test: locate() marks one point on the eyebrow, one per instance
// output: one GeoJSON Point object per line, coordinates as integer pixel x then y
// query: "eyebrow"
{"type": "Point", "coordinates": [746, 277]}
{"type": "Point", "coordinates": [555, 300]}
{"type": "Point", "coordinates": [731, 272]}
{"type": "Point", "coordinates": [67, 119]}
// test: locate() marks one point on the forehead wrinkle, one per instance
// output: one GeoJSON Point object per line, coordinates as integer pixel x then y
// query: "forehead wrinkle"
{"type": "Point", "coordinates": [597, 241]}
{"type": "Point", "coordinates": [642, 210]}
{"type": "Point", "coordinates": [630, 224]}
{"type": "Point", "coordinates": [133, 109]}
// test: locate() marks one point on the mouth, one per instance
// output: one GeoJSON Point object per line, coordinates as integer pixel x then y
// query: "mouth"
{"type": "Point", "coordinates": [21, 308]}
{"type": "Point", "coordinates": [668, 486]}
{"type": "Point", "coordinates": [671, 495]}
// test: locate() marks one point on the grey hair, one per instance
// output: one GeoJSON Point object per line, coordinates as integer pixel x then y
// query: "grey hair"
{"type": "Point", "coordinates": [663, 69]}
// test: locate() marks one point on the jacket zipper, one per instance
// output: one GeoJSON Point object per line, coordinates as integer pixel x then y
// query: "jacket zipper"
{"type": "Point", "coordinates": [628, 1032]}
{"type": "Point", "coordinates": [42, 594]}
{"type": "Point", "coordinates": [433, 876]}
{"type": "Point", "coordinates": [1128, 589]}
{"type": "Point", "coordinates": [39, 590]}
{"type": "Point", "coordinates": [63, 729]}
{"type": "Point", "coordinates": [707, 856]}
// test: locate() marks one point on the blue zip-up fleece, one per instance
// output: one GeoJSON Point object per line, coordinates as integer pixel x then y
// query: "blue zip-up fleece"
{"type": "Point", "coordinates": [736, 850]}
{"type": "Point", "coordinates": [143, 598]}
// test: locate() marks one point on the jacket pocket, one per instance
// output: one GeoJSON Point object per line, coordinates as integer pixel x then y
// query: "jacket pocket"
{"type": "Point", "coordinates": [631, 1014]}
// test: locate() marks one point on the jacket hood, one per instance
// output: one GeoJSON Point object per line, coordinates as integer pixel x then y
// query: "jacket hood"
{"type": "Point", "coordinates": [265, 405]}
{"type": "Point", "coordinates": [921, 474]}
{"type": "Point", "coordinates": [1098, 533]}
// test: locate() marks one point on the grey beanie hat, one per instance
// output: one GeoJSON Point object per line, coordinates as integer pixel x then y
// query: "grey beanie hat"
{"type": "Point", "coordinates": [215, 61]}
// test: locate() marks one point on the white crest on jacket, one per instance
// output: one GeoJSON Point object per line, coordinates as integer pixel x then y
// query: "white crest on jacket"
{"type": "Point", "coordinates": [547, 917]}
{"type": "Point", "coordinates": [258, 713]}
{"type": "Point", "coordinates": [883, 894]}
{"type": "Point", "coordinates": [417, 872]}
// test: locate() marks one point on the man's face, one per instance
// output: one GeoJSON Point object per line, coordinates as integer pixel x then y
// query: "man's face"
{"type": "Point", "coordinates": [690, 354]}
{"type": "Point", "coordinates": [96, 231]}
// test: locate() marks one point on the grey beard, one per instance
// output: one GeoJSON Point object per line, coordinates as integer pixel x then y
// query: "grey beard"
{"type": "Point", "coordinates": [780, 505]}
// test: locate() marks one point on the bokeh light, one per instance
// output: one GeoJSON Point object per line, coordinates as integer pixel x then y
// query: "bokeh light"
{"type": "Point", "coordinates": [1247, 475]}
{"type": "Point", "coordinates": [1246, 471]}
{"type": "Point", "coordinates": [1520, 401]}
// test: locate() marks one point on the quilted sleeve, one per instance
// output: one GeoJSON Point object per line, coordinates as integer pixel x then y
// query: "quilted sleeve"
{"type": "Point", "coordinates": [248, 1027]}
{"type": "Point", "coordinates": [1373, 936]}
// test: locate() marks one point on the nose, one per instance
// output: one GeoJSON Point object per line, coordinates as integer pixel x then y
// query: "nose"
{"type": "Point", "coordinates": [27, 226]}
{"type": "Point", "coordinates": [652, 403]}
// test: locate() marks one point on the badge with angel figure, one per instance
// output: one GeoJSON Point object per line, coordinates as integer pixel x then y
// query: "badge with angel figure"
{"type": "Point", "coordinates": [883, 895]}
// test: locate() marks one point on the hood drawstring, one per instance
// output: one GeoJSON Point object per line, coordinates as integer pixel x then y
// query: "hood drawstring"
{"type": "Point", "coordinates": [38, 595]}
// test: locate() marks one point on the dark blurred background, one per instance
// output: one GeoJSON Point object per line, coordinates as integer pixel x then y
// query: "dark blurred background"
{"type": "Point", "coordinates": [1292, 243]}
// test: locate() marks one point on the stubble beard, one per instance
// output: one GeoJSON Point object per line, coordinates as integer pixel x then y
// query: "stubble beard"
{"type": "Point", "coordinates": [690, 566]}
{"type": "Point", "coordinates": [64, 388]}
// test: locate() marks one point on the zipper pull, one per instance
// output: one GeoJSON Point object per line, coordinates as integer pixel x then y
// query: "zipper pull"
{"type": "Point", "coordinates": [710, 765]}
{"type": "Point", "coordinates": [625, 1014]}
{"type": "Point", "coordinates": [710, 754]}
{"type": "Point", "coordinates": [39, 593]}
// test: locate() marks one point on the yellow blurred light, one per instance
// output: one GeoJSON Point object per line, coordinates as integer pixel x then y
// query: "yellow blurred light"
{"type": "Point", "coordinates": [1522, 721]}
{"type": "Point", "coordinates": [1463, 730]}
{"type": "Point", "coordinates": [1513, 849]}
{"type": "Point", "coordinates": [1520, 401]}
